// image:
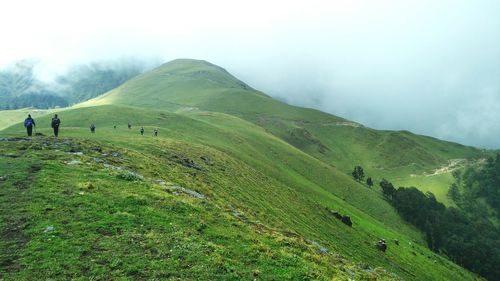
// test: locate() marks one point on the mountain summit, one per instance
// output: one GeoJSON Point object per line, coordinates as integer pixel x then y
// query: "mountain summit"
{"type": "Point", "coordinates": [182, 82]}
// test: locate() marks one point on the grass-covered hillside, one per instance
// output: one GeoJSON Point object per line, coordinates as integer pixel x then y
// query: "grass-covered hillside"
{"type": "Point", "coordinates": [191, 85]}
{"type": "Point", "coordinates": [9, 117]}
{"type": "Point", "coordinates": [237, 186]}
{"type": "Point", "coordinates": [79, 209]}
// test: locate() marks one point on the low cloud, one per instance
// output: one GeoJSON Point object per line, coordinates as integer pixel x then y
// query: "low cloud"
{"type": "Point", "coordinates": [21, 84]}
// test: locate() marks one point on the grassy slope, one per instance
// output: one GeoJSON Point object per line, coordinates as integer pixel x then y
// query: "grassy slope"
{"type": "Point", "coordinates": [84, 222]}
{"type": "Point", "coordinates": [189, 85]}
{"type": "Point", "coordinates": [264, 178]}
{"type": "Point", "coordinates": [9, 117]}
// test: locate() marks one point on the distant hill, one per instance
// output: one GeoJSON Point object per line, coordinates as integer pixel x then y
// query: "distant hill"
{"type": "Point", "coordinates": [21, 88]}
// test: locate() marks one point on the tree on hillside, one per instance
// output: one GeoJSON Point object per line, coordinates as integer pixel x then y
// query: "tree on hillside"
{"type": "Point", "coordinates": [358, 173]}
{"type": "Point", "coordinates": [387, 188]}
{"type": "Point", "coordinates": [454, 193]}
{"type": "Point", "coordinates": [457, 175]}
{"type": "Point", "coordinates": [468, 238]}
{"type": "Point", "coordinates": [477, 189]}
{"type": "Point", "coordinates": [369, 182]}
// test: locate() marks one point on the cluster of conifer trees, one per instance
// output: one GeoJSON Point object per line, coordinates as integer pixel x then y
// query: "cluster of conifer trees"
{"type": "Point", "coordinates": [467, 234]}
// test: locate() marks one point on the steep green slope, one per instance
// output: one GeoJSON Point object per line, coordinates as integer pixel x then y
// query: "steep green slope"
{"type": "Point", "coordinates": [244, 141]}
{"type": "Point", "coordinates": [249, 174]}
{"type": "Point", "coordinates": [66, 215]}
{"type": "Point", "coordinates": [190, 85]}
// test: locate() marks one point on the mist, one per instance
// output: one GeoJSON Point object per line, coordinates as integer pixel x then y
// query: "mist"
{"type": "Point", "coordinates": [22, 84]}
{"type": "Point", "coordinates": [431, 67]}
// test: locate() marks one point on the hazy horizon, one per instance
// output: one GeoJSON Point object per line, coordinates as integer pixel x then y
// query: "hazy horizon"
{"type": "Point", "coordinates": [430, 68]}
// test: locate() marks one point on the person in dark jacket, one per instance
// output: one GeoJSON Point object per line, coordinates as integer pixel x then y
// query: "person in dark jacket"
{"type": "Point", "coordinates": [55, 125]}
{"type": "Point", "coordinates": [29, 123]}
{"type": "Point", "coordinates": [381, 245]}
{"type": "Point", "coordinates": [92, 128]}
{"type": "Point", "coordinates": [142, 131]}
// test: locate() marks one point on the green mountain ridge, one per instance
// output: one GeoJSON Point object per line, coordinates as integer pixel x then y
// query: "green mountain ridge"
{"type": "Point", "coordinates": [187, 85]}
{"type": "Point", "coordinates": [275, 171]}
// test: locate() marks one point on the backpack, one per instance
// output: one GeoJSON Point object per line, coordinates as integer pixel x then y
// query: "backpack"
{"type": "Point", "coordinates": [28, 122]}
{"type": "Point", "coordinates": [55, 122]}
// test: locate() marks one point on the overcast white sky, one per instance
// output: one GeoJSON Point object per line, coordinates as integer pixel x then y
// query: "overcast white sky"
{"type": "Point", "coordinates": [429, 66]}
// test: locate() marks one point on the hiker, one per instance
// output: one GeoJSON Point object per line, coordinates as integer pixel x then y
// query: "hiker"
{"type": "Point", "coordinates": [156, 132]}
{"type": "Point", "coordinates": [129, 125]}
{"type": "Point", "coordinates": [55, 125]}
{"type": "Point", "coordinates": [92, 128]}
{"type": "Point", "coordinates": [142, 131]}
{"type": "Point", "coordinates": [381, 245]}
{"type": "Point", "coordinates": [29, 123]}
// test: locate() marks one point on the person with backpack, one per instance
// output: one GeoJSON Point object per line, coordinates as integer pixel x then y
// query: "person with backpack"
{"type": "Point", "coordinates": [381, 245]}
{"type": "Point", "coordinates": [55, 125]}
{"type": "Point", "coordinates": [92, 129]}
{"type": "Point", "coordinates": [29, 123]}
